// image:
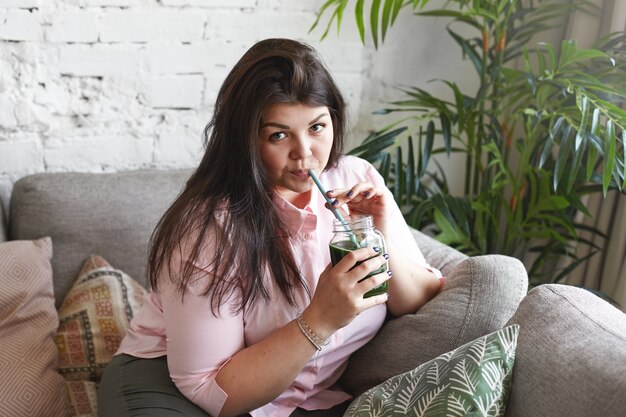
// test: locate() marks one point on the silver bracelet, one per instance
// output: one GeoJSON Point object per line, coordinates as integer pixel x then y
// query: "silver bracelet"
{"type": "Point", "coordinates": [315, 340]}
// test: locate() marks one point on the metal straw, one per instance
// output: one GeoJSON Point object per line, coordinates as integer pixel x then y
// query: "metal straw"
{"type": "Point", "coordinates": [333, 208]}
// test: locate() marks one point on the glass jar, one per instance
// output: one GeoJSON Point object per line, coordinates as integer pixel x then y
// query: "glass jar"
{"type": "Point", "coordinates": [353, 233]}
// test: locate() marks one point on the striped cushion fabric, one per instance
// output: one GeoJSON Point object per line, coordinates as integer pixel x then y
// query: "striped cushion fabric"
{"type": "Point", "coordinates": [29, 383]}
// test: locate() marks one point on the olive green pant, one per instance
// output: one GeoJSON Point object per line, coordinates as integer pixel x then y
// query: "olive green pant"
{"type": "Point", "coordinates": [142, 387]}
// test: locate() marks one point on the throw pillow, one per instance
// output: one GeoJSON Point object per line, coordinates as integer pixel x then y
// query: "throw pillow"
{"type": "Point", "coordinates": [479, 295]}
{"type": "Point", "coordinates": [472, 380]}
{"type": "Point", "coordinates": [29, 382]}
{"type": "Point", "coordinates": [83, 398]}
{"type": "Point", "coordinates": [93, 319]}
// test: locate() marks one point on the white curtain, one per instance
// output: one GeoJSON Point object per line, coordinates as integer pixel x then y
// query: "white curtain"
{"type": "Point", "coordinates": [605, 271]}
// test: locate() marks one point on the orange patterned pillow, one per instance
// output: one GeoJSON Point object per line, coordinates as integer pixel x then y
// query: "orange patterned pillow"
{"type": "Point", "coordinates": [93, 319]}
{"type": "Point", "coordinates": [83, 398]}
{"type": "Point", "coordinates": [29, 383]}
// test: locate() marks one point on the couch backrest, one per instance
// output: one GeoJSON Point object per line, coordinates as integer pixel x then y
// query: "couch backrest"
{"type": "Point", "coordinates": [112, 215]}
{"type": "Point", "coordinates": [4, 235]}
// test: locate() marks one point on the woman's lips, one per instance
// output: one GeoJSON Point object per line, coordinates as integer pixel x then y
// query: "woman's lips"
{"type": "Point", "coordinates": [301, 173]}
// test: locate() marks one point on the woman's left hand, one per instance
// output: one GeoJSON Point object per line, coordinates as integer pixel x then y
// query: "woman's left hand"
{"type": "Point", "coordinates": [364, 198]}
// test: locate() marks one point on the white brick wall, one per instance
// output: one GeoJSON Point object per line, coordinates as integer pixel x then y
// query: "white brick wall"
{"type": "Point", "coordinates": [72, 26]}
{"type": "Point", "coordinates": [211, 3]}
{"type": "Point", "coordinates": [145, 25]}
{"type": "Point", "coordinates": [21, 153]}
{"type": "Point", "coordinates": [108, 85]}
{"type": "Point", "coordinates": [175, 91]}
{"type": "Point", "coordinates": [21, 3]}
{"type": "Point", "coordinates": [20, 25]}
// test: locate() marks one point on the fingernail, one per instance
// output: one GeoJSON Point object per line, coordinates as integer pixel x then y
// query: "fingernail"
{"type": "Point", "coordinates": [329, 192]}
{"type": "Point", "coordinates": [376, 249]}
{"type": "Point", "coordinates": [366, 193]}
{"type": "Point", "coordinates": [335, 202]}
{"type": "Point", "coordinates": [389, 272]}
{"type": "Point", "coordinates": [350, 193]}
{"type": "Point", "coordinates": [386, 255]}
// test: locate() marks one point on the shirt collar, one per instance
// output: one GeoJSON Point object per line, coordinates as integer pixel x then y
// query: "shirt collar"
{"type": "Point", "coordinates": [296, 219]}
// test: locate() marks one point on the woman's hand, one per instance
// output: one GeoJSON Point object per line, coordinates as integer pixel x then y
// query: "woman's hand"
{"type": "Point", "coordinates": [338, 298]}
{"type": "Point", "coordinates": [413, 285]}
{"type": "Point", "coordinates": [364, 198]}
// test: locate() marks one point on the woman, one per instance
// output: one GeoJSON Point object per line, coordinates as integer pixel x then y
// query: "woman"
{"type": "Point", "coordinates": [246, 314]}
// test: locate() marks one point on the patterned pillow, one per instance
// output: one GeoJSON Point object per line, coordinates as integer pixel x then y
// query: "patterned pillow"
{"type": "Point", "coordinates": [472, 380]}
{"type": "Point", "coordinates": [29, 382]}
{"type": "Point", "coordinates": [93, 319]}
{"type": "Point", "coordinates": [83, 398]}
{"type": "Point", "coordinates": [480, 294]}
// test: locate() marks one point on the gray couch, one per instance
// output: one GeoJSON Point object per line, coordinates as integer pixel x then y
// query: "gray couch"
{"type": "Point", "coordinates": [571, 353]}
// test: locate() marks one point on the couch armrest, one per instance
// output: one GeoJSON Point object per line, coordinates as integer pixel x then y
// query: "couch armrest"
{"type": "Point", "coordinates": [4, 236]}
{"type": "Point", "coordinates": [437, 254]}
{"type": "Point", "coordinates": [571, 355]}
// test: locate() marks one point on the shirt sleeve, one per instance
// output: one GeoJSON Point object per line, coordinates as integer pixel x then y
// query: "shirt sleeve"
{"type": "Point", "coordinates": [198, 342]}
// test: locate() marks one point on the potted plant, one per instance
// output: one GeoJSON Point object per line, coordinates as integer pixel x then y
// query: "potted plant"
{"type": "Point", "coordinates": [536, 139]}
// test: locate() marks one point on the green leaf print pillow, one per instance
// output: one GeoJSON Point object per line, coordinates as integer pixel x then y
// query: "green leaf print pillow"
{"type": "Point", "coordinates": [472, 380]}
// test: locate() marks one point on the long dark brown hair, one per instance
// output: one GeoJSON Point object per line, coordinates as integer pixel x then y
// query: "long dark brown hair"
{"type": "Point", "coordinates": [230, 193]}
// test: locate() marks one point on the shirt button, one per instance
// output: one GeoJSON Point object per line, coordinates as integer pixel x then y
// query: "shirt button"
{"type": "Point", "coordinates": [308, 236]}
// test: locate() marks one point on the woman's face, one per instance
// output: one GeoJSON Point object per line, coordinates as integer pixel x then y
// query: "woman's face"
{"type": "Point", "coordinates": [294, 138]}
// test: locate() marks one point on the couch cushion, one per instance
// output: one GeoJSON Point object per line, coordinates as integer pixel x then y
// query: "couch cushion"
{"type": "Point", "coordinates": [471, 380]}
{"type": "Point", "coordinates": [29, 383]}
{"type": "Point", "coordinates": [442, 256]}
{"type": "Point", "coordinates": [480, 294]}
{"type": "Point", "coordinates": [112, 215]}
{"type": "Point", "coordinates": [571, 355]}
{"type": "Point", "coordinates": [93, 319]}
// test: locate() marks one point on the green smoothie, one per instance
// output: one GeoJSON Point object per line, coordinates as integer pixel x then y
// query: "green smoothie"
{"type": "Point", "coordinates": [340, 249]}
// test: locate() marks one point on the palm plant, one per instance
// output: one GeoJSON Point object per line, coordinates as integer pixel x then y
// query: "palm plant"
{"type": "Point", "coordinates": [536, 139]}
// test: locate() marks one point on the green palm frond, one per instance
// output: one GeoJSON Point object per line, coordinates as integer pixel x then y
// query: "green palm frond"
{"type": "Point", "coordinates": [535, 139]}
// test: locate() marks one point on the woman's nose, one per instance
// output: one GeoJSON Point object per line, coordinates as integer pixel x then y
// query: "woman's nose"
{"type": "Point", "coordinates": [301, 148]}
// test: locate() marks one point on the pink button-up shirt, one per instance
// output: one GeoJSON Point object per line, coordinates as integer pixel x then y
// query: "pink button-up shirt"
{"type": "Point", "coordinates": [198, 344]}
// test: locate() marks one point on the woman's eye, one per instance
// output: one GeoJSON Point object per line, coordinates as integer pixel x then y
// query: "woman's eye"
{"type": "Point", "coordinates": [318, 127]}
{"type": "Point", "coordinates": [277, 136]}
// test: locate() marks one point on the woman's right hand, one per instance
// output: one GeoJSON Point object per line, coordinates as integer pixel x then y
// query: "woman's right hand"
{"type": "Point", "coordinates": [338, 298]}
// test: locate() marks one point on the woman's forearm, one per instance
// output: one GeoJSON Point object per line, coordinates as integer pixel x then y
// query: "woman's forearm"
{"type": "Point", "coordinates": [411, 284]}
{"type": "Point", "coordinates": [253, 378]}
